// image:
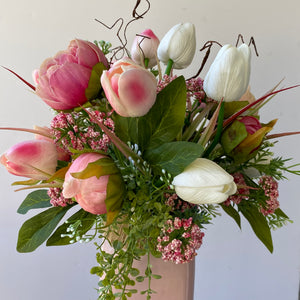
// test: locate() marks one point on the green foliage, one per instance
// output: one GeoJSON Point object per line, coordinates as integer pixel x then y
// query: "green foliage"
{"type": "Point", "coordinates": [36, 230]}
{"type": "Point", "coordinates": [161, 124]}
{"type": "Point", "coordinates": [73, 229]}
{"type": "Point", "coordinates": [258, 223]}
{"type": "Point", "coordinates": [35, 199]}
{"type": "Point", "coordinates": [94, 85]}
{"type": "Point", "coordinates": [174, 156]}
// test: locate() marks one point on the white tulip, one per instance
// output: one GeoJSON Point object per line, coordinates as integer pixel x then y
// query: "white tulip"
{"type": "Point", "coordinates": [228, 76]}
{"type": "Point", "coordinates": [179, 45]}
{"type": "Point", "coordinates": [204, 182]}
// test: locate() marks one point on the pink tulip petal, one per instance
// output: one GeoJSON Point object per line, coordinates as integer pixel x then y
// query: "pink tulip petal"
{"type": "Point", "coordinates": [137, 89]}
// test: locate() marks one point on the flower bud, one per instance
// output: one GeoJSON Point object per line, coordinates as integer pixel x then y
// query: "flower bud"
{"type": "Point", "coordinates": [36, 159]}
{"type": "Point", "coordinates": [129, 88]}
{"type": "Point", "coordinates": [243, 137]}
{"type": "Point", "coordinates": [97, 191]}
{"type": "Point", "coordinates": [228, 76]}
{"type": "Point", "coordinates": [204, 182]}
{"type": "Point", "coordinates": [179, 45]}
{"type": "Point", "coordinates": [63, 79]}
{"type": "Point", "coordinates": [145, 47]}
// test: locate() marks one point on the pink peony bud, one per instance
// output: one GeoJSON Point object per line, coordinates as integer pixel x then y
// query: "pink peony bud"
{"type": "Point", "coordinates": [145, 47]}
{"type": "Point", "coordinates": [90, 193]}
{"type": "Point", "coordinates": [251, 124]}
{"type": "Point", "coordinates": [62, 80]}
{"type": "Point", "coordinates": [35, 159]}
{"type": "Point", "coordinates": [129, 88]}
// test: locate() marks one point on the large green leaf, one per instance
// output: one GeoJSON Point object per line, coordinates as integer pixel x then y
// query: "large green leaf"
{"type": "Point", "coordinates": [37, 229]}
{"type": "Point", "coordinates": [166, 117]}
{"type": "Point", "coordinates": [232, 213]}
{"type": "Point", "coordinates": [258, 223]}
{"type": "Point", "coordinates": [174, 156]}
{"type": "Point", "coordinates": [161, 124]}
{"type": "Point", "coordinates": [87, 221]}
{"type": "Point", "coordinates": [36, 199]}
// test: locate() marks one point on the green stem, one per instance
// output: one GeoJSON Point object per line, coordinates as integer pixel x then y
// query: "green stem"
{"type": "Point", "coordinates": [218, 133]}
{"type": "Point", "coordinates": [169, 67]}
{"type": "Point", "coordinates": [146, 62]}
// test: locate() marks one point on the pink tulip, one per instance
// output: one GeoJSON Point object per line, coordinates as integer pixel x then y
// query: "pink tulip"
{"type": "Point", "coordinates": [90, 193]}
{"type": "Point", "coordinates": [129, 88]}
{"type": "Point", "coordinates": [35, 159]}
{"type": "Point", "coordinates": [145, 47]}
{"type": "Point", "coordinates": [45, 131]}
{"type": "Point", "coordinates": [62, 80]}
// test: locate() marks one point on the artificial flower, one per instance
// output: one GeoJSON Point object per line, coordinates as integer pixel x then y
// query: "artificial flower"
{"type": "Point", "coordinates": [36, 159]}
{"type": "Point", "coordinates": [98, 191]}
{"type": "Point", "coordinates": [178, 45]}
{"type": "Point", "coordinates": [44, 132]}
{"type": "Point", "coordinates": [228, 76]}
{"type": "Point", "coordinates": [242, 138]}
{"type": "Point", "coordinates": [62, 79]}
{"type": "Point", "coordinates": [90, 193]}
{"type": "Point", "coordinates": [204, 182]}
{"type": "Point", "coordinates": [129, 88]}
{"type": "Point", "coordinates": [144, 48]}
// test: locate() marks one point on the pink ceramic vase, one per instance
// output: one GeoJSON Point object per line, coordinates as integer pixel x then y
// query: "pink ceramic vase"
{"type": "Point", "coordinates": [177, 282]}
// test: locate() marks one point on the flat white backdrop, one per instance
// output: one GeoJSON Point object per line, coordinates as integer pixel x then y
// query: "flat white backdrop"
{"type": "Point", "coordinates": [231, 264]}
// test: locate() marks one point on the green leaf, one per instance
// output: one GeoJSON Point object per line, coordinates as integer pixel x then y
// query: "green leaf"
{"type": "Point", "coordinates": [161, 124]}
{"type": "Point", "coordinates": [36, 199]}
{"type": "Point", "coordinates": [233, 106]}
{"type": "Point", "coordinates": [94, 86]}
{"type": "Point", "coordinates": [280, 213]}
{"type": "Point", "coordinates": [87, 221]}
{"type": "Point", "coordinates": [258, 223]}
{"type": "Point", "coordinates": [174, 156]}
{"type": "Point", "coordinates": [140, 278]}
{"type": "Point", "coordinates": [165, 119]}
{"type": "Point", "coordinates": [232, 213]}
{"type": "Point", "coordinates": [98, 168]}
{"type": "Point", "coordinates": [114, 196]}
{"type": "Point", "coordinates": [37, 229]}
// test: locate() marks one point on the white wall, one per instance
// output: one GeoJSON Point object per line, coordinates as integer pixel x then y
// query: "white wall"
{"type": "Point", "coordinates": [232, 264]}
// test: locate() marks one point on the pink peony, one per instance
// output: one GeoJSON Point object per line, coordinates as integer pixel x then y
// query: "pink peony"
{"type": "Point", "coordinates": [35, 159]}
{"type": "Point", "coordinates": [90, 193]}
{"type": "Point", "coordinates": [129, 88]}
{"type": "Point", "coordinates": [62, 79]}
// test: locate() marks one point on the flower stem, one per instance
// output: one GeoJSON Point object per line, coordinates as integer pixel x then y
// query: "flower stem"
{"type": "Point", "coordinates": [169, 67]}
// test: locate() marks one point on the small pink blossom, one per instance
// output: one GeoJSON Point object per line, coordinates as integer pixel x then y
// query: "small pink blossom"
{"type": "Point", "coordinates": [57, 199]}
{"type": "Point", "coordinates": [242, 190]}
{"type": "Point", "coordinates": [186, 239]}
{"type": "Point", "coordinates": [270, 187]}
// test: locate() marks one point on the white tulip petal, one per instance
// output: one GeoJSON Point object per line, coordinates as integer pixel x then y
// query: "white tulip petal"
{"type": "Point", "coordinates": [204, 182]}
{"type": "Point", "coordinates": [229, 74]}
{"type": "Point", "coordinates": [179, 45]}
{"type": "Point", "coordinates": [206, 195]}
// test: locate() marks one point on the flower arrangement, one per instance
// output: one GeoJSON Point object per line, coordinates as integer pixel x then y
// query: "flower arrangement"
{"type": "Point", "coordinates": [145, 157]}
